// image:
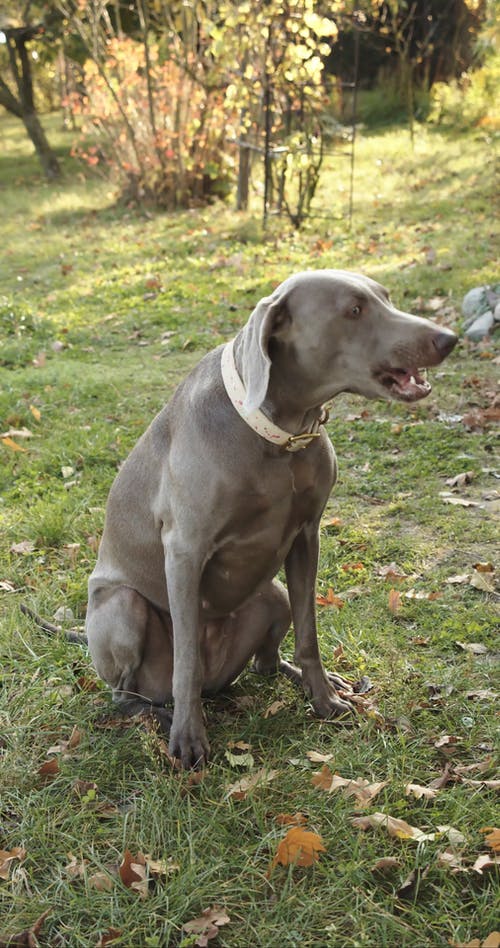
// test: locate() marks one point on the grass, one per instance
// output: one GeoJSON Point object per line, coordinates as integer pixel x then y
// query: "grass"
{"type": "Point", "coordinates": [102, 311]}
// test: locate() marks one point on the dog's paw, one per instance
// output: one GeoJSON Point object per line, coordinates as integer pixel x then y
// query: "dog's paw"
{"type": "Point", "coordinates": [190, 746]}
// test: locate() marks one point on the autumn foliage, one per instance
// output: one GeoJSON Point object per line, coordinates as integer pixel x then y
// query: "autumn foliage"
{"type": "Point", "coordinates": [176, 156]}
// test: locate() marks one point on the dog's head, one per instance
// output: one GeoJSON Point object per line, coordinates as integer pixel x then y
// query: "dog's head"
{"type": "Point", "coordinates": [328, 331]}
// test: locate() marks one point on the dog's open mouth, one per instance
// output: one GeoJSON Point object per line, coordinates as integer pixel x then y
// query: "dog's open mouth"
{"type": "Point", "coordinates": [407, 385]}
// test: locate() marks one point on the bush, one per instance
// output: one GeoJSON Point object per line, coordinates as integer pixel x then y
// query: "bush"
{"type": "Point", "coordinates": [470, 100]}
{"type": "Point", "coordinates": [168, 148]}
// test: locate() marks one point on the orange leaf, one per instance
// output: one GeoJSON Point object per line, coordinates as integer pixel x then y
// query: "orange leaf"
{"type": "Point", "coordinates": [298, 848]}
{"type": "Point", "coordinates": [394, 600]}
{"type": "Point", "coordinates": [493, 838]}
{"type": "Point", "coordinates": [133, 873]}
{"type": "Point", "coordinates": [289, 819]}
{"type": "Point", "coordinates": [12, 445]}
{"type": "Point", "coordinates": [35, 412]}
{"type": "Point", "coordinates": [330, 599]}
{"type": "Point", "coordinates": [322, 778]}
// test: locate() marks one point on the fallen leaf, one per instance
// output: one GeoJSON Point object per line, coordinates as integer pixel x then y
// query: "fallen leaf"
{"type": "Point", "coordinates": [322, 778]}
{"type": "Point", "coordinates": [386, 864]}
{"type": "Point", "coordinates": [76, 869]}
{"type": "Point", "coordinates": [316, 757]}
{"type": "Point", "coordinates": [486, 861]}
{"type": "Point", "coordinates": [460, 502]}
{"type": "Point", "coordinates": [28, 937]}
{"type": "Point", "coordinates": [450, 860]}
{"type": "Point", "coordinates": [456, 838]}
{"type": "Point", "coordinates": [65, 747]}
{"type": "Point", "coordinates": [207, 925]}
{"type": "Point", "coordinates": [484, 694]}
{"type": "Point", "coordinates": [458, 580]}
{"type": "Point", "coordinates": [420, 594]}
{"type": "Point", "coordinates": [392, 573]}
{"type": "Point", "coordinates": [289, 819]}
{"type": "Point", "coordinates": [101, 881]}
{"type": "Point", "coordinates": [484, 567]}
{"type": "Point", "coordinates": [444, 778]}
{"type": "Point", "coordinates": [24, 546]}
{"type": "Point", "coordinates": [330, 600]}
{"type": "Point", "coordinates": [298, 848]}
{"type": "Point", "coordinates": [483, 784]}
{"type": "Point", "coordinates": [161, 867]}
{"type": "Point", "coordinates": [7, 857]}
{"type": "Point", "coordinates": [108, 937]}
{"type": "Point", "coordinates": [417, 791]}
{"type": "Point", "coordinates": [475, 648]}
{"type": "Point", "coordinates": [11, 444]}
{"type": "Point", "coordinates": [395, 827]}
{"type": "Point", "coordinates": [493, 838]}
{"type": "Point", "coordinates": [483, 582]}
{"type": "Point", "coordinates": [363, 791]}
{"type": "Point", "coordinates": [240, 789]}
{"type": "Point", "coordinates": [394, 601]}
{"type": "Point", "coordinates": [17, 433]}
{"type": "Point", "coordinates": [35, 412]}
{"type": "Point", "coordinates": [274, 708]}
{"type": "Point", "coordinates": [239, 760]}
{"type": "Point", "coordinates": [447, 743]}
{"type": "Point", "coordinates": [460, 480]}
{"type": "Point", "coordinates": [492, 941]}
{"type": "Point", "coordinates": [481, 766]}
{"type": "Point", "coordinates": [50, 769]}
{"type": "Point", "coordinates": [132, 872]}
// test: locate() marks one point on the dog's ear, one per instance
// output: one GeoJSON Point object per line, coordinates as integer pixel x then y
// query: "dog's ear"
{"type": "Point", "coordinates": [269, 317]}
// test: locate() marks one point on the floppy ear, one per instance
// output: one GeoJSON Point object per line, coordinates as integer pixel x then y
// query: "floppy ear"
{"type": "Point", "coordinates": [268, 317]}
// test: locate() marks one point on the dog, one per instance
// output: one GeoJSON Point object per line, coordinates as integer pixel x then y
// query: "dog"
{"type": "Point", "coordinates": [226, 486]}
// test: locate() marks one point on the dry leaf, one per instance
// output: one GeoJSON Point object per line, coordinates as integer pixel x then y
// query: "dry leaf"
{"type": "Point", "coordinates": [28, 937]}
{"type": "Point", "coordinates": [161, 867]}
{"type": "Point", "coordinates": [391, 573]}
{"type": "Point", "coordinates": [483, 582]}
{"type": "Point", "coordinates": [239, 790]}
{"type": "Point", "coordinates": [460, 502]}
{"type": "Point", "coordinates": [317, 757]}
{"type": "Point", "coordinates": [395, 827]}
{"type": "Point", "coordinates": [330, 600]}
{"type": "Point", "coordinates": [417, 791]}
{"type": "Point", "coordinates": [24, 546]}
{"type": "Point", "coordinates": [483, 784]}
{"type": "Point", "coordinates": [484, 567]}
{"type": "Point", "coordinates": [459, 580]}
{"type": "Point", "coordinates": [456, 838]}
{"type": "Point", "coordinates": [386, 864]}
{"type": "Point", "coordinates": [493, 838]}
{"type": "Point", "coordinates": [7, 857]}
{"type": "Point", "coordinates": [361, 789]}
{"type": "Point", "coordinates": [460, 480]}
{"type": "Point", "coordinates": [447, 743]}
{"type": "Point", "coordinates": [492, 941]}
{"type": "Point", "coordinates": [108, 937]}
{"type": "Point", "coordinates": [450, 860]}
{"type": "Point", "coordinates": [132, 872]}
{"type": "Point", "coordinates": [420, 594]}
{"type": "Point", "coordinates": [50, 769]}
{"type": "Point", "coordinates": [101, 881]}
{"type": "Point", "coordinates": [35, 412]}
{"type": "Point", "coordinates": [298, 848]}
{"type": "Point", "coordinates": [207, 925]}
{"type": "Point", "coordinates": [76, 869]}
{"type": "Point", "coordinates": [289, 819]}
{"type": "Point", "coordinates": [65, 747]}
{"type": "Point", "coordinates": [394, 601]}
{"type": "Point", "coordinates": [475, 648]}
{"type": "Point", "coordinates": [486, 861]}
{"type": "Point", "coordinates": [274, 708]}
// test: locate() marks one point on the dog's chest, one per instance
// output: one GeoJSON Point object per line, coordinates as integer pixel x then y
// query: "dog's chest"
{"type": "Point", "coordinates": [256, 540]}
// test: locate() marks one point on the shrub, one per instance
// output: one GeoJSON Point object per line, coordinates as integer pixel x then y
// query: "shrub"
{"type": "Point", "coordinates": [168, 148]}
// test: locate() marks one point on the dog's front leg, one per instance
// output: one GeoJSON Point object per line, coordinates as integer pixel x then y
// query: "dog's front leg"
{"type": "Point", "coordinates": [188, 739]}
{"type": "Point", "coordinates": [301, 567]}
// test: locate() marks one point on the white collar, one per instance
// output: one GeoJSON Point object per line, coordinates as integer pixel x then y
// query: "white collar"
{"type": "Point", "coordinates": [256, 418]}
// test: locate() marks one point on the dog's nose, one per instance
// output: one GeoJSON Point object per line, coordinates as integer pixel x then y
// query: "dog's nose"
{"type": "Point", "coordinates": [444, 341]}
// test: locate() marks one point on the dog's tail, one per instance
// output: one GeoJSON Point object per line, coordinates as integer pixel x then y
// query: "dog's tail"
{"type": "Point", "coordinates": [72, 635]}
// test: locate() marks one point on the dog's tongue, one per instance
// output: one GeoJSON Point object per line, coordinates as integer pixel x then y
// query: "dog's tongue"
{"type": "Point", "coordinates": [410, 384]}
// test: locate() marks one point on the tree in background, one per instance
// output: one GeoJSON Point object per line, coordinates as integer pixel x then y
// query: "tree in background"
{"type": "Point", "coordinates": [22, 31]}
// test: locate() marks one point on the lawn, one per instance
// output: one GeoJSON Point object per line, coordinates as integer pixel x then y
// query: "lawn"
{"type": "Point", "coordinates": [102, 311]}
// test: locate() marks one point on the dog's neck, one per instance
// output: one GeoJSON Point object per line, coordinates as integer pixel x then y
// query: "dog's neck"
{"type": "Point", "coordinates": [267, 421]}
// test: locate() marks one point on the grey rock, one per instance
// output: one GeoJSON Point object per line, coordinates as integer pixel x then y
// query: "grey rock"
{"type": "Point", "coordinates": [480, 327]}
{"type": "Point", "coordinates": [474, 301]}
{"type": "Point", "coordinates": [496, 314]}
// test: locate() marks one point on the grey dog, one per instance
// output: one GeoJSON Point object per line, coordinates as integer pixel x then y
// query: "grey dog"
{"type": "Point", "coordinates": [226, 486]}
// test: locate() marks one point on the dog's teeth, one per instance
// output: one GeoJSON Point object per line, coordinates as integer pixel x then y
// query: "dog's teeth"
{"type": "Point", "coordinates": [412, 380]}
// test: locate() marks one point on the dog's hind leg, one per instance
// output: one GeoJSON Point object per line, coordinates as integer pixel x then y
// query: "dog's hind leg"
{"type": "Point", "coordinates": [131, 648]}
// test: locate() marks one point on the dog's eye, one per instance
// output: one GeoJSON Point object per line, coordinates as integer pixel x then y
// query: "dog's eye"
{"type": "Point", "coordinates": [356, 311]}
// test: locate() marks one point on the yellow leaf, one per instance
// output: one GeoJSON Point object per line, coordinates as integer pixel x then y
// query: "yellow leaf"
{"type": "Point", "coordinates": [12, 445]}
{"type": "Point", "coordinates": [35, 412]}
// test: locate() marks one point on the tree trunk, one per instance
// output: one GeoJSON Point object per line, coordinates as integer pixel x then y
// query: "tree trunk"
{"type": "Point", "coordinates": [47, 157]}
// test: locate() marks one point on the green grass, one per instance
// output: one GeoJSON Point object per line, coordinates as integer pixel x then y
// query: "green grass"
{"type": "Point", "coordinates": [87, 293]}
